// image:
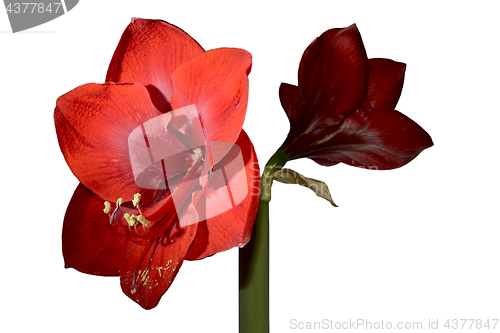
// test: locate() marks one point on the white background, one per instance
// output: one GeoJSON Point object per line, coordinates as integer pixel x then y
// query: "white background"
{"type": "Point", "coordinates": [417, 243]}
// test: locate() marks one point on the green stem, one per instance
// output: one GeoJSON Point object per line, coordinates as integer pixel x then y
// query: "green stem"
{"type": "Point", "coordinates": [254, 261]}
{"type": "Point", "coordinates": [254, 276]}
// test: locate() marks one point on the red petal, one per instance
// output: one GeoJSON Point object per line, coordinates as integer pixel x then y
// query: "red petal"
{"type": "Point", "coordinates": [386, 83]}
{"type": "Point", "coordinates": [93, 123]}
{"type": "Point", "coordinates": [90, 244]}
{"type": "Point", "coordinates": [290, 101]}
{"type": "Point", "coordinates": [150, 266]}
{"type": "Point", "coordinates": [373, 139]}
{"type": "Point", "coordinates": [333, 76]}
{"type": "Point", "coordinates": [234, 227]}
{"type": "Point", "coordinates": [216, 83]}
{"type": "Point", "coordinates": [148, 52]}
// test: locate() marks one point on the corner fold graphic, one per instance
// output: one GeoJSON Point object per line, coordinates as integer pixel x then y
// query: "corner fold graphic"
{"type": "Point", "coordinates": [26, 15]}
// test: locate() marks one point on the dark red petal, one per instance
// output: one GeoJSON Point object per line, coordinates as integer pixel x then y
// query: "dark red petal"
{"type": "Point", "coordinates": [386, 83]}
{"type": "Point", "coordinates": [150, 266]}
{"type": "Point", "coordinates": [234, 227]}
{"type": "Point", "coordinates": [216, 82]}
{"type": "Point", "coordinates": [90, 243]}
{"type": "Point", "coordinates": [93, 123]}
{"type": "Point", "coordinates": [373, 139]}
{"type": "Point", "coordinates": [148, 52]}
{"type": "Point", "coordinates": [333, 76]}
{"type": "Point", "coordinates": [305, 58]}
{"type": "Point", "coordinates": [290, 101]}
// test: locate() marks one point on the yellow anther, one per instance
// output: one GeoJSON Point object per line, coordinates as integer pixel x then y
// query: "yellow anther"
{"type": "Point", "coordinates": [143, 220]}
{"type": "Point", "coordinates": [119, 202]}
{"type": "Point", "coordinates": [131, 219]}
{"type": "Point", "coordinates": [197, 154]}
{"type": "Point", "coordinates": [107, 207]}
{"type": "Point", "coordinates": [137, 199]}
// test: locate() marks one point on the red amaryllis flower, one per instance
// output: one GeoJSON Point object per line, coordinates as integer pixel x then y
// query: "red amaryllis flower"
{"type": "Point", "coordinates": [343, 107]}
{"type": "Point", "coordinates": [166, 172]}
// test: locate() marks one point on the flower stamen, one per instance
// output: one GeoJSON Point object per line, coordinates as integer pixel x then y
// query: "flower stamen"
{"type": "Point", "coordinates": [137, 200]}
{"type": "Point", "coordinates": [107, 207]}
{"type": "Point", "coordinates": [142, 220]}
{"type": "Point", "coordinates": [197, 154]}
{"type": "Point", "coordinates": [132, 219]}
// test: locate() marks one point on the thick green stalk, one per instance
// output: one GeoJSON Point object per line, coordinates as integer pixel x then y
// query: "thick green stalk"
{"type": "Point", "coordinates": [254, 261]}
{"type": "Point", "coordinates": [254, 276]}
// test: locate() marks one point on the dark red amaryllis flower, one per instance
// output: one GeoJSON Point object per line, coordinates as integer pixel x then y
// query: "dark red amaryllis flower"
{"type": "Point", "coordinates": [166, 172]}
{"type": "Point", "coordinates": [343, 107]}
